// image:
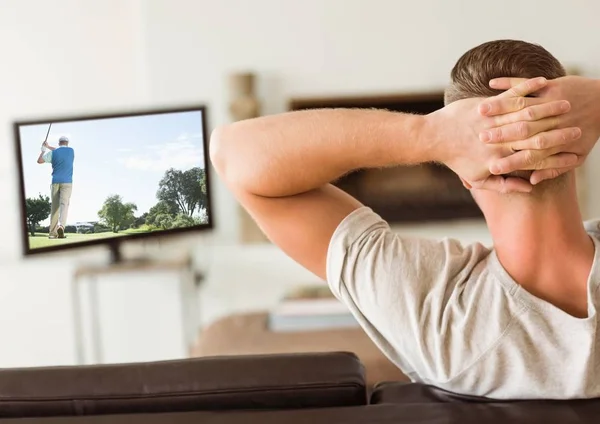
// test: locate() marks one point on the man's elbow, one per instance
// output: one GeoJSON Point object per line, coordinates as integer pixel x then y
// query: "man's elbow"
{"type": "Point", "coordinates": [218, 147]}
{"type": "Point", "coordinates": [40, 161]}
{"type": "Point", "coordinates": [230, 157]}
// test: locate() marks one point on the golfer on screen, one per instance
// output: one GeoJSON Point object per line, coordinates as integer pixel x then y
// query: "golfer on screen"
{"type": "Point", "coordinates": [61, 158]}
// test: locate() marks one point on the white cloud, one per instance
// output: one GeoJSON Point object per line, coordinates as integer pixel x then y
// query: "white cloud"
{"type": "Point", "coordinates": [180, 154]}
{"type": "Point", "coordinates": [187, 136]}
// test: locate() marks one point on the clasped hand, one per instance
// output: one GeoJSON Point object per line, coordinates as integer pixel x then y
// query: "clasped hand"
{"type": "Point", "coordinates": [546, 127]}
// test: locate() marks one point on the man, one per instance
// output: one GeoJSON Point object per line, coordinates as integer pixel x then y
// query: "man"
{"type": "Point", "coordinates": [518, 321]}
{"type": "Point", "coordinates": [62, 159]}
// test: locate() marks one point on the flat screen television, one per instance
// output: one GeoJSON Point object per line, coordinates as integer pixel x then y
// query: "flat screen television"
{"type": "Point", "coordinates": [106, 179]}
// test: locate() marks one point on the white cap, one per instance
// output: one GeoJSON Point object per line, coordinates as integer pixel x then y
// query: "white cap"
{"type": "Point", "coordinates": [63, 139]}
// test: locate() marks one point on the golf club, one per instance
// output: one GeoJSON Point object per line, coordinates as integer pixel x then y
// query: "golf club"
{"type": "Point", "coordinates": [47, 134]}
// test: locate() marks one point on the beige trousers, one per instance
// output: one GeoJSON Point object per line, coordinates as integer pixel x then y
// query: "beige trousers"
{"type": "Point", "coordinates": [61, 195]}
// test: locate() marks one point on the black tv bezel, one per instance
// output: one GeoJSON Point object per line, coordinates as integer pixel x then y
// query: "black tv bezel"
{"type": "Point", "coordinates": [114, 242]}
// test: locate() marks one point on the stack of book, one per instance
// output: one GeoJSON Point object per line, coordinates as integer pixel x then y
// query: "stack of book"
{"type": "Point", "coordinates": [310, 315]}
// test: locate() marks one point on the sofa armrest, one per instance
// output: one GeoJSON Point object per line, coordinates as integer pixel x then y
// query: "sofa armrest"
{"type": "Point", "coordinates": [211, 383]}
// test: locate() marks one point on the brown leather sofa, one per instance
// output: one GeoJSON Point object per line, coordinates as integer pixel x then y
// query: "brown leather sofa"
{"type": "Point", "coordinates": [292, 388]}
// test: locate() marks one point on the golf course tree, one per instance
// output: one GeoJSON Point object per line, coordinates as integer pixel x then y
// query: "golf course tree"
{"type": "Point", "coordinates": [161, 214]}
{"type": "Point", "coordinates": [37, 209]}
{"type": "Point", "coordinates": [140, 220]}
{"type": "Point", "coordinates": [184, 189]}
{"type": "Point", "coordinates": [163, 221]}
{"type": "Point", "coordinates": [183, 221]}
{"type": "Point", "coordinates": [117, 215]}
{"type": "Point", "coordinates": [166, 216]}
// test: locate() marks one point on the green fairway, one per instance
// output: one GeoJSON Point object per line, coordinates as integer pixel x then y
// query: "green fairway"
{"type": "Point", "coordinates": [42, 240]}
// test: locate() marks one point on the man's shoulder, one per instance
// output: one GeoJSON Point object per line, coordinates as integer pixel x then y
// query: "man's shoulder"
{"type": "Point", "coordinates": [64, 151]}
{"type": "Point", "coordinates": [365, 223]}
{"type": "Point", "coordinates": [47, 156]}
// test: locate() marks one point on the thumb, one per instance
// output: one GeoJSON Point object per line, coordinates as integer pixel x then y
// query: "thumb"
{"type": "Point", "coordinates": [547, 174]}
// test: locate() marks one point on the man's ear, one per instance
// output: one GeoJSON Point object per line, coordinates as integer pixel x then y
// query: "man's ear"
{"type": "Point", "coordinates": [466, 184]}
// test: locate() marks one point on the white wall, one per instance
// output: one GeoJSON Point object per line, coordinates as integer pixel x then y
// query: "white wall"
{"type": "Point", "coordinates": [61, 58]}
{"type": "Point", "coordinates": [36, 320]}
{"type": "Point", "coordinates": [58, 58]}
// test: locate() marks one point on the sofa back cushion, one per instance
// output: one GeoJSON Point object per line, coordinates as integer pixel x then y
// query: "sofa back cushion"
{"type": "Point", "coordinates": [212, 383]}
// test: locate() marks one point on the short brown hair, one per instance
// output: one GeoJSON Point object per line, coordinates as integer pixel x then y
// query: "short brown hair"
{"type": "Point", "coordinates": [471, 75]}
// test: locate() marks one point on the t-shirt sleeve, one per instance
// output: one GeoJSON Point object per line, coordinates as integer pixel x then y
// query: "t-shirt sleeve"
{"type": "Point", "coordinates": [48, 156]}
{"type": "Point", "coordinates": [592, 226]}
{"type": "Point", "coordinates": [396, 287]}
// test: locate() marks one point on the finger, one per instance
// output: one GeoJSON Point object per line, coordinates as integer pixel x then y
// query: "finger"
{"type": "Point", "coordinates": [504, 185]}
{"type": "Point", "coordinates": [525, 88]}
{"type": "Point", "coordinates": [519, 130]}
{"type": "Point", "coordinates": [557, 161]}
{"type": "Point", "coordinates": [506, 83]}
{"type": "Point", "coordinates": [547, 140]}
{"type": "Point", "coordinates": [502, 105]}
{"type": "Point", "coordinates": [533, 109]}
{"type": "Point", "coordinates": [529, 160]}
{"type": "Point", "coordinates": [548, 174]}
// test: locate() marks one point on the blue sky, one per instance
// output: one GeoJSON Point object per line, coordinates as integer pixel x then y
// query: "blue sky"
{"type": "Point", "coordinates": [126, 156]}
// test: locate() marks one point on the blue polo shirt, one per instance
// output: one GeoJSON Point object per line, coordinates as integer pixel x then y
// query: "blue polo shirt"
{"type": "Point", "coordinates": [62, 159]}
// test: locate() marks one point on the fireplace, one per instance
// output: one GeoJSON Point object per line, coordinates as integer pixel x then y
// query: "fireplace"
{"type": "Point", "coordinates": [426, 192]}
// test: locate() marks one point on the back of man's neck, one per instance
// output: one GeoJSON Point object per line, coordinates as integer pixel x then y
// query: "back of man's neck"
{"type": "Point", "coordinates": [543, 245]}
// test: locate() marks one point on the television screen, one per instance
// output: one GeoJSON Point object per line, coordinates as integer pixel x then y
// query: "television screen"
{"type": "Point", "coordinates": [105, 179]}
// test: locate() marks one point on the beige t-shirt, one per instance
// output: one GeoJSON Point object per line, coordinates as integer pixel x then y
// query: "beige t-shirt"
{"type": "Point", "coordinates": [451, 316]}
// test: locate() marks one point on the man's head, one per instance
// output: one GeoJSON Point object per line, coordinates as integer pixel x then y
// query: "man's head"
{"type": "Point", "coordinates": [472, 73]}
{"type": "Point", "coordinates": [63, 141]}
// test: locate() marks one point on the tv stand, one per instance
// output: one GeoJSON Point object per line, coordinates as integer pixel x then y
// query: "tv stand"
{"type": "Point", "coordinates": [164, 288]}
{"type": "Point", "coordinates": [117, 257]}
{"type": "Point", "coordinates": [115, 253]}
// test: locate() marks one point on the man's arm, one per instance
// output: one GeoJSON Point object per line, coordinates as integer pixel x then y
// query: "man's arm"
{"type": "Point", "coordinates": [45, 156]}
{"type": "Point", "coordinates": [293, 153]}
{"type": "Point", "coordinates": [279, 167]}
{"type": "Point", "coordinates": [49, 147]}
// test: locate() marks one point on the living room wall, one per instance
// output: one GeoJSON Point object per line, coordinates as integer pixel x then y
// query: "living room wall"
{"type": "Point", "coordinates": [58, 58]}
